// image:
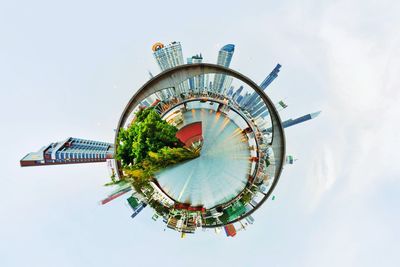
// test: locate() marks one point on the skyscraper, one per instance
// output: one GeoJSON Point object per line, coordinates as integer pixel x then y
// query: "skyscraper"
{"type": "Point", "coordinates": [168, 56]}
{"type": "Point", "coordinates": [196, 83]}
{"type": "Point", "coordinates": [255, 99]}
{"type": "Point", "coordinates": [291, 122]}
{"type": "Point", "coordinates": [237, 93]}
{"type": "Point", "coordinates": [272, 76]}
{"type": "Point", "coordinates": [224, 59]}
{"type": "Point", "coordinates": [72, 150]}
{"type": "Point", "coordinates": [254, 104]}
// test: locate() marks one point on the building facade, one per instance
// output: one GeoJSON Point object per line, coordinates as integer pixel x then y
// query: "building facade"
{"type": "Point", "coordinates": [168, 57]}
{"type": "Point", "coordinates": [70, 151]}
{"type": "Point", "coordinates": [196, 83]}
{"type": "Point", "coordinates": [254, 103]}
{"type": "Point", "coordinates": [224, 59]}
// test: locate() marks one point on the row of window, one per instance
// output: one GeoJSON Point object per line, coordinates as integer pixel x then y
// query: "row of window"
{"type": "Point", "coordinates": [66, 155]}
{"type": "Point", "coordinates": [89, 142]}
{"type": "Point", "coordinates": [86, 147]}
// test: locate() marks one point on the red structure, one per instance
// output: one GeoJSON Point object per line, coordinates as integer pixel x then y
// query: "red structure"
{"type": "Point", "coordinates": [184, 206]}
{"type": "Point", "coordinates": [115, 195]}
{"type": "Point", "coordinates": [230, 230]}
{"type": "Point", "coordinates": [190, 133]}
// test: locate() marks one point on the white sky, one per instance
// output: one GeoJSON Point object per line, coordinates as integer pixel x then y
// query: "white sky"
{"type": "Point", "coordinates": [69, 69]}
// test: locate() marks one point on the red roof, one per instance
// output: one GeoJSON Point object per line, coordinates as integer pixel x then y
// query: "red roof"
{"type": "Point", "coordinates": [230, 230]}
{"type": "Point", "coordinates": [190, 133]}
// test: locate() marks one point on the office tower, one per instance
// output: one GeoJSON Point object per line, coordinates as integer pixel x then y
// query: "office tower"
{"type": "Point", "coordinates": [237, 93]}
{"type": "Point", "coordinates": [255, 99]}
{"type": "Point", "coordinates": [246, 96]}
{"type": "Point", "coordinates": [197, 82]}
{"type": "Point", "coordinates": [72, 150]}
{"type": "Point", "coordinates": [168, 56]}
{"type": "Point", "coordinates": [291, 122]}
{"type": "Point", "coordinates": [272, 76]}
{"type": "Point", "coordinates": [301, 119]}
{"type": "Point", "coordinates": [224, 59]}
{"type": "Point", "coordinates": [230, 92]}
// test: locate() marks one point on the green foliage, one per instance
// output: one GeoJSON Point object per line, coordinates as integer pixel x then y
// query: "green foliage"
{"type": "Point", "coordinates": [267, 162]}
{"type": "Point", "coordinates": [211, 221]}
{"type": "Point", "coordinates": [246, 197]}
{"type": "Point", "coordinates": [146, 147]}
{"type": "Point", "coordinates": [224, 218]}
{"type": "Point", "coordinates": [148, 133]}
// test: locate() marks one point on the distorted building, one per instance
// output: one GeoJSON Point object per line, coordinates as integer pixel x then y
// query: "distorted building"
{"type": "Point", "coordinates": [168, 56]}
{"type": "Point", "coordinates": [197, 82]}
{"type": "Point", "coordinates": [70, 151]}
{"type": "Point", "coordinates": [254, 103]}
{"type": "Point", "coordinates": [224, 59]}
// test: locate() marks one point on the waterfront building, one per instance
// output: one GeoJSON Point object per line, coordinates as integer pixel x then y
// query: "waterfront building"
{"type": "Point", "coordinates": [70, 151]}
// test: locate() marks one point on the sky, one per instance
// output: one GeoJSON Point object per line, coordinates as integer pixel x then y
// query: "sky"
{"type": "Point", "coordinates": [69, 68]}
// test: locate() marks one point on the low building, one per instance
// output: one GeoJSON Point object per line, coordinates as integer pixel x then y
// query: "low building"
{"type": "Point", "coordinates": [70, 151]}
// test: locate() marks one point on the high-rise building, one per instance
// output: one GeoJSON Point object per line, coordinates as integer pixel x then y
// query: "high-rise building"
{"type": "Point", "coordinates": [237, 93]}
{"type": "Point", "coordinates": [291, 122]}
{"type": "Point", "coordinates": [254, 99]}
{"type": "Point", "coordinates": [301, 119]}
{"type": "Point", "coordinates": [197, 82]}
{"type": "Point", "coordinates": [168, 56]}
{"type": "Point", "coordinates": [224, 59]}
{"type": "Point", "coordinates": [272, 76]}
{"type": "Point", "coordinates": [72, 150]}
{"type": "Point", "coordinates": [230, 92]}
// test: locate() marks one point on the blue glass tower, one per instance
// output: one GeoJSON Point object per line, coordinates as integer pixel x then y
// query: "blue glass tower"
{"type": "Point", "coordinates": [254, 103]}
{"type": "Point", "coordinates": [272, 76]}
{"type": "Point", "coordinates": [224, 59]}
{"type": "Point", "coordinates": [292, 122]}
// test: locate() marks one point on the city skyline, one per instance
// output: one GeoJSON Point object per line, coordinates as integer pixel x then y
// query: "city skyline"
{"type": "Point", "coordinates": [69, 69]}
{"type": "Point", "coordinates": [265, 148]}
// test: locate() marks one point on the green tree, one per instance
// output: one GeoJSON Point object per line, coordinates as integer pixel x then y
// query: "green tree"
{"type": "Point", "coordinates": [148, 133]}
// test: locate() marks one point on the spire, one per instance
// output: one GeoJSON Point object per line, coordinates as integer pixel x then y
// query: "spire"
{"type": "Point", "coordinates": [315, 114]}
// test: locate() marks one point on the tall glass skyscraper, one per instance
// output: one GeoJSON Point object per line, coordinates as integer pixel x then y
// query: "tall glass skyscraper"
{"type": "Point", "coordinates": [272, 76]}
{"type": "Point", "coordinates": [254, 103]}
{"type": "Point", "coordinates": [168, 56]}
{"type": "Point", "coordinates": [224, 59]}
{"type": "Point", "coordinates": [71, 150]}
{"type": "Point", "coordinates": [196, 83]}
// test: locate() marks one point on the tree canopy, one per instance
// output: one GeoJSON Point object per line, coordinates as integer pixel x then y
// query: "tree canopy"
{"type": "Point", "coordinates": [148, 133]}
